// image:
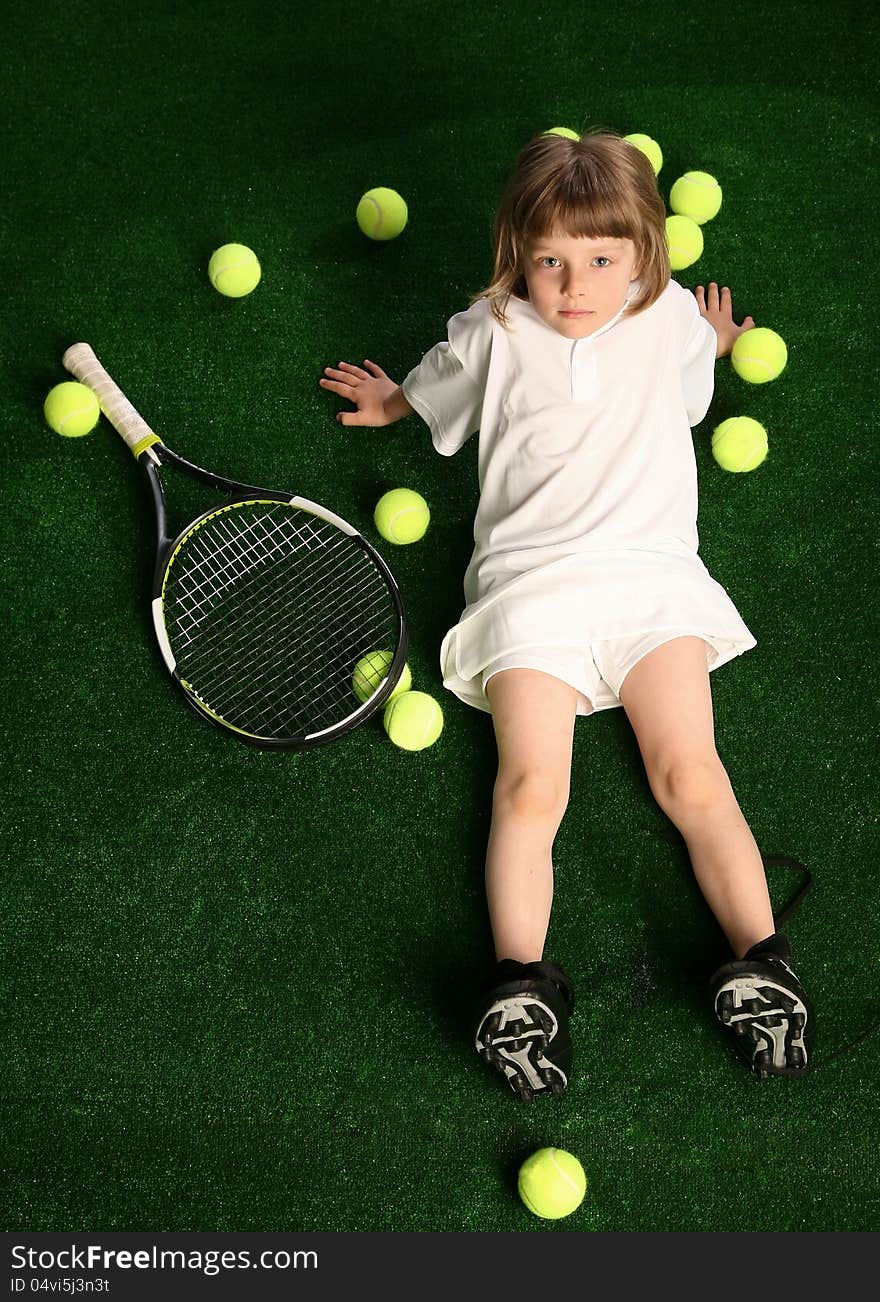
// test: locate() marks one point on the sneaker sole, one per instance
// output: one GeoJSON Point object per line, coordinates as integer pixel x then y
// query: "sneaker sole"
{"type": "Point", "coordinates": [513, 1038]}
{"type": "Point", "coordinates": [769, 1021]}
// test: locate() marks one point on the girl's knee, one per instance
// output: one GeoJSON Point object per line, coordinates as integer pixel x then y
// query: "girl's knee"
{"type": "Point", "coordinates": [687, 784]}
{"type": "Point", "coordinates": [532, 794]}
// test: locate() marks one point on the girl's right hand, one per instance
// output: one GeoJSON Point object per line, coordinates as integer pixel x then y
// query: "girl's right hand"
{"type": "Point", "coordinates": [367, 392]}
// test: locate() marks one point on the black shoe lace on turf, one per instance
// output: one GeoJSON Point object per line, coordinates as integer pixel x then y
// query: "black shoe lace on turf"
{"type": "Point", "coordinates": [674, 837]}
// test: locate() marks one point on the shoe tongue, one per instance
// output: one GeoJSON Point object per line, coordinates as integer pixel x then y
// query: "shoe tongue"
{"type": "Point", "coordinates": [777, 945]}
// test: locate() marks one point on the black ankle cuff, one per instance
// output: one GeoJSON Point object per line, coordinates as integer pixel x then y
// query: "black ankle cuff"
{"type": "Point", "coordinates": [507, 969]}
{"type": "Point", "coordinates": [549, 971]}
{"type": "Point", "coordinates": [778, 944]}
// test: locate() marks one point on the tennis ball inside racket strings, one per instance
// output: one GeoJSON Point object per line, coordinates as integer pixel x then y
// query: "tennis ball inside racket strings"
{"type": "Point", "coordinates": [371, 669]}
{"type": "Point", "coordinates": [402, 516]}
{"type": "Point", "coordinates": [234, 270]}
{"type": "Point", "coordinates": [71, 409]}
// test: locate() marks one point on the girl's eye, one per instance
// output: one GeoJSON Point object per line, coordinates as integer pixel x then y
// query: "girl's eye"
{"type": "Point", "coordinates": [550, 258]}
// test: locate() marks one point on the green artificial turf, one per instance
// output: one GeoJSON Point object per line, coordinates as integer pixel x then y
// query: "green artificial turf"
{"type": "Point", "coordinates": [238, 986]}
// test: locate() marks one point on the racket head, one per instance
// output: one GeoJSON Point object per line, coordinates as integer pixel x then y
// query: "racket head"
{"type": "Point", "coordinates": [263, 605]}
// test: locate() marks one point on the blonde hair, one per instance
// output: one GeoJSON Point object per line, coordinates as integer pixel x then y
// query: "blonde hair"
{"type": "Point", "coordinates": [599, 186]}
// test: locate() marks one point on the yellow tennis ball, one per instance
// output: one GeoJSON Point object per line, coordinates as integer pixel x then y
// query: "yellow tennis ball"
{"type": "Point", "coordinates": [739, 444]}
{"type": "Point", "coordinates": [759, 355]}
{"type": "Point", "coordinates": [413, 720]}
{"type": "Point", "coordinates": [381, 213]}
{"type": "Point", "coordinates": [696, 195]}
{"type": "Point", "coordinates": [684, 239]}
{"type": "Point", "coordinates": [552, 1183]}
{"type": "Point", "coordinates": [563, 131]}
{"type": "Point", "coordinates": [371, 669]}
{"type": "Point", "coordinates": [402, 516]}
{"type": "Point", "coordinates": [649, 147]}
{"type": "Point", "coordinates": [234, 270]}
{"type": "Point", "coordinates": [71, 409]}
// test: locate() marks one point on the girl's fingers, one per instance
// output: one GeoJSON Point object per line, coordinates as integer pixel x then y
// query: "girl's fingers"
{"type": "Point", "coordinates": [359, 369]}
{"type": "Point", "coordinates": [347, 368]}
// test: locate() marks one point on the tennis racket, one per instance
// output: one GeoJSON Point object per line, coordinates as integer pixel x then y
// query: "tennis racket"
{"type": "Point", "coordinates": [264, 604]}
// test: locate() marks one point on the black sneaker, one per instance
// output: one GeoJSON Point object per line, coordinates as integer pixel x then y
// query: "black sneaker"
{"type": "Point", "coordinates": [523, 1031]}
{"type": "Point", "coordinates": [759, 998]}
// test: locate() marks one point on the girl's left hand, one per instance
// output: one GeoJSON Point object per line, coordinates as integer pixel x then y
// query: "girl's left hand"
{"type": "Point", "coordinates": [719, 313]}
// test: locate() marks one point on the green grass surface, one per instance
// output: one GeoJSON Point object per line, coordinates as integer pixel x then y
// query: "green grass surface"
{"type": "Point", "coordinates": [237, 985]}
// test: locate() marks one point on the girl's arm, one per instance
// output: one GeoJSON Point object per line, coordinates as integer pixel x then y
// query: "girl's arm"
{"type": "Point", "coordinates": [396, 405]}
{"type": "Point", "coordinates": [719, 313]}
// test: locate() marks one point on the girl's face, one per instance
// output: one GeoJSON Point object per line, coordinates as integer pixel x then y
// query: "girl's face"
{"type": "Point", "coordinates": [590, 276]}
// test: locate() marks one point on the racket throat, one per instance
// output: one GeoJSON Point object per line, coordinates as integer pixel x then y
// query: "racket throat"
{"type": "Point", "coordinates": [162, 636]}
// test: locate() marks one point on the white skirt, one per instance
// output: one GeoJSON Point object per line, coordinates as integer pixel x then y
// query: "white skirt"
{"type": "Point", "coordinates": [588, 597]}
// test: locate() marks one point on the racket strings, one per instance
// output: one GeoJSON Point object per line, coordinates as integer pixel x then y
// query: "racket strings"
{"type": "Point", "coordinates": [289, 671]}
{"type": "Point", "coordinates": [330, 670]}
{"type": "Point", "coordinates": [316, 589]}
{"type": "Point", "coordinates": [224, 558]}
{"type": "Point", "coordinates": [236, 560]}
{"type": "Point", "coordinates": [229, 686]}
{"type": "Point", "coordinates": [274, 595]}
{"type": "Point", "coordinates": [267, 610]}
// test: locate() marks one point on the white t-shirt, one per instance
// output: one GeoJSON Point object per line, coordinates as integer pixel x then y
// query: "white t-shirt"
{"type": "Point", "coordinates": [586, 526]}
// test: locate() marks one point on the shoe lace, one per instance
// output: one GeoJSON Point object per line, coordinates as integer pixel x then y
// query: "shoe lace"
{"type": "Point", "coordinates": [674, 837]}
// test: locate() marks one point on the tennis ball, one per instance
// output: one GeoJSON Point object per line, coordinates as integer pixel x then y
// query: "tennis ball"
{"type": "Point", "coordinates": [684, 240]}
{"type": "Point", "coordinates": [234, 270]}
{"type": "Point", "coordinates": [71, 409]}
{"type": "Point", "coordinates": [563, 131]}
{"type": "Point", "coordinates": [696, 195]}
{"type": "Point", "coordinates": [413, 720]}
{"type": "Point", "coordinates": [649, 147]}
{"type": "Point", "coordinates": [371, 669]}
{"type": "Point", "coordinates": [381, 213]}
{"type": "Point", "coordinates": [552, 1183]}
{"type": "Point", "coordinates": [759, 355]}
{"type": "Point", "coordinates": [739, 443]}
{"type": "Point", "coordinates": [402, 516]}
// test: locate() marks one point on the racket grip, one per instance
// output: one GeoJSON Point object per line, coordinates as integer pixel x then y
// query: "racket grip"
{"type": "Point", "coordinates": [81, 361]}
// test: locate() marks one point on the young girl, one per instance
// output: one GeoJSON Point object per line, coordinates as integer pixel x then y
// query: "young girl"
{"type": "Point", "coordinates": [584, 366]}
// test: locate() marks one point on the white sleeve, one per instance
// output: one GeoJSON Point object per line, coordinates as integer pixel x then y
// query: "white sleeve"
{"type": "Point", "coordinates": [697, 362]}
{"type": "Point", "coordinates": [447, 386]}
